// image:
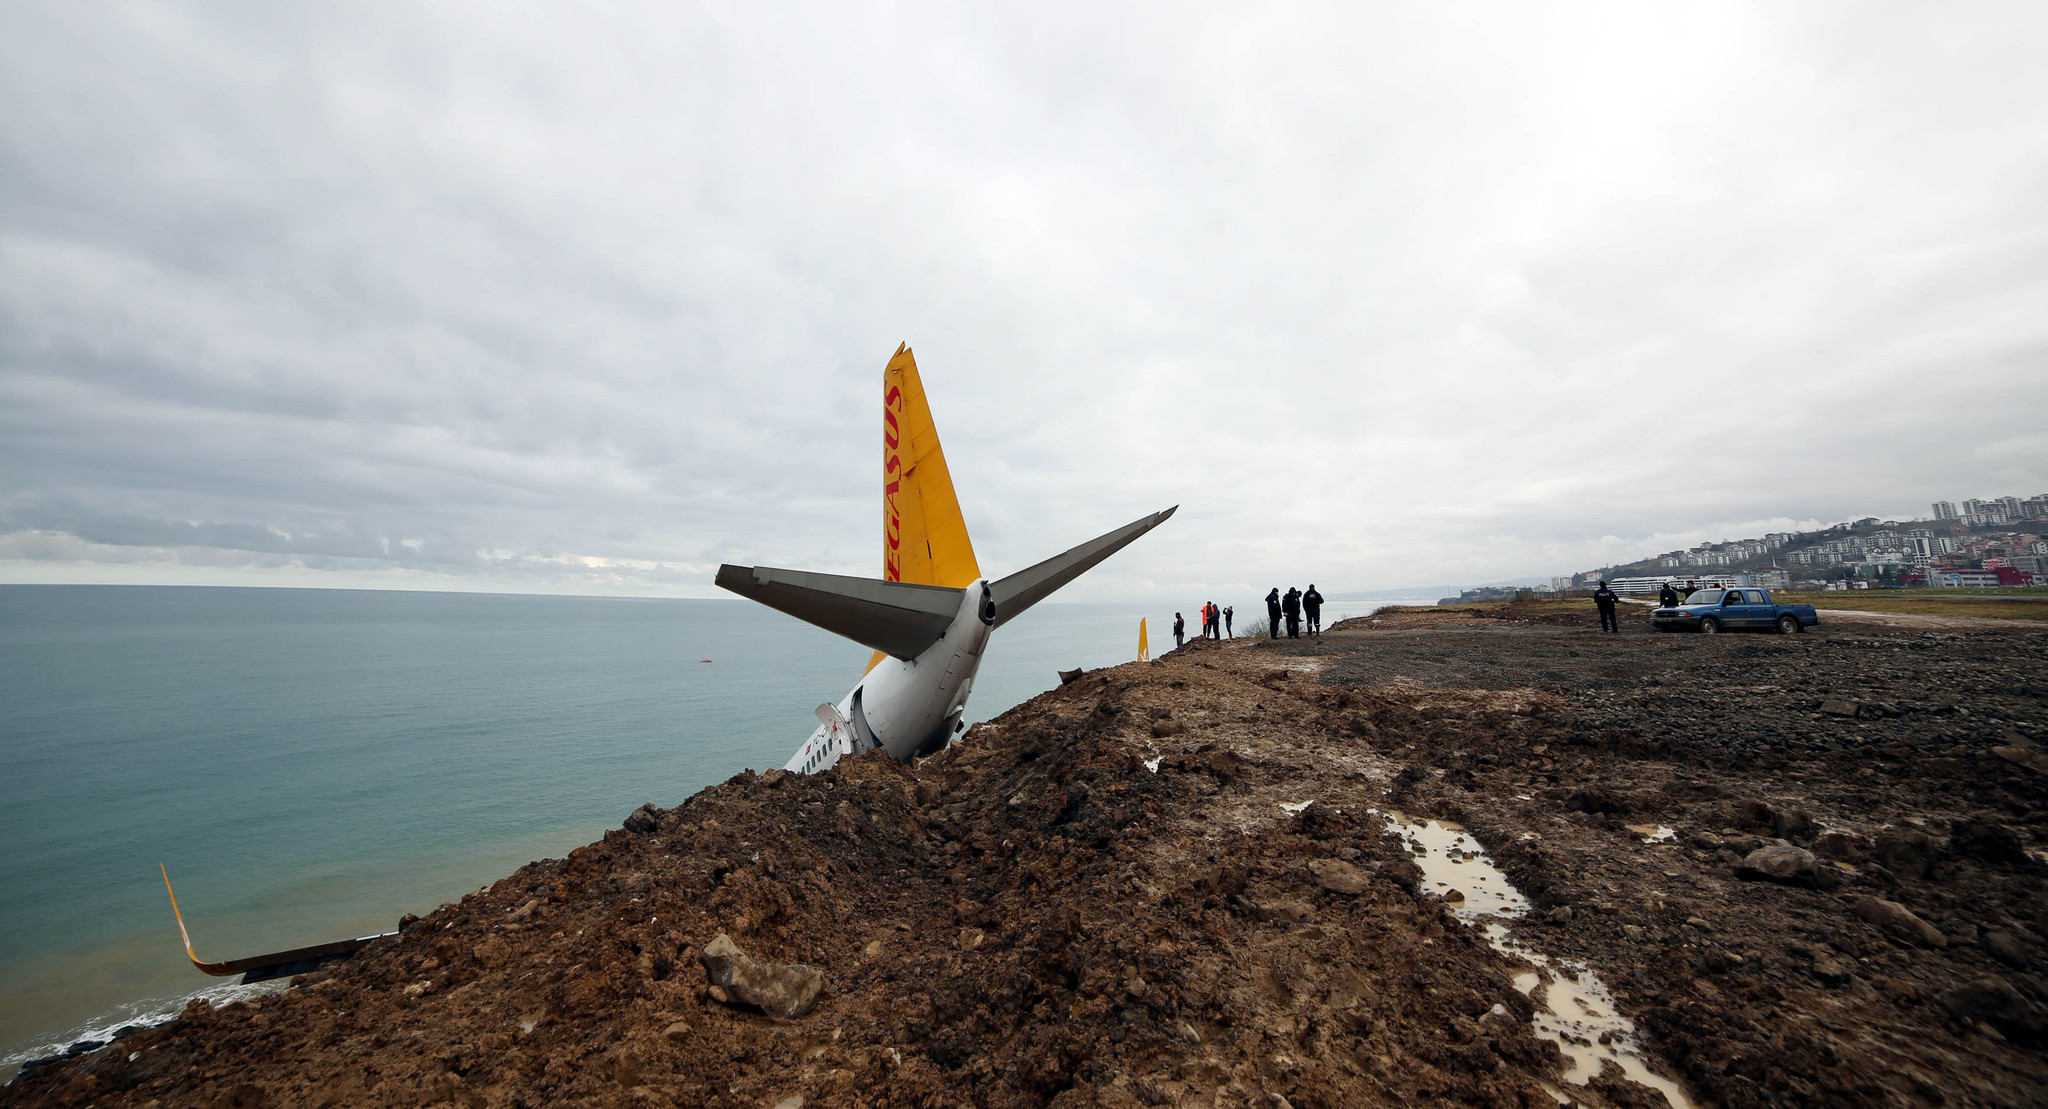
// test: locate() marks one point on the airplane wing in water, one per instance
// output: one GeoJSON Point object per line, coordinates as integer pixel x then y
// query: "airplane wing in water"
{"type": "Point", "coordinates": [277, 964]}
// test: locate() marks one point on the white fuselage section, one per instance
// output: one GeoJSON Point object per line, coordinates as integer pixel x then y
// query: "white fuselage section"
{"type": "Point", "coordinates": [906, 706]}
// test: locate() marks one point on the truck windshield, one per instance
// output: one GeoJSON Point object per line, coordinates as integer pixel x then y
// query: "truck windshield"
{"type": "Point", "coordinates": [1705, 597]}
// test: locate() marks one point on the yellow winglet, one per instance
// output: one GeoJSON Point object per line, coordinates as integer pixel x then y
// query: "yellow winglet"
{"type": "Point", "coordinates": [218, 970]}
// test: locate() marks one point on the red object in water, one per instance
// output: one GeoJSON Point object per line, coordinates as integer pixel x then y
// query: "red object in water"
{"type": "Point", "coordinates": [703, 660]}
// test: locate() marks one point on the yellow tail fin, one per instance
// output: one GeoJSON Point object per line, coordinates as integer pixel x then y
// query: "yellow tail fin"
{"type": "Point", "coordinates": [924, 537]}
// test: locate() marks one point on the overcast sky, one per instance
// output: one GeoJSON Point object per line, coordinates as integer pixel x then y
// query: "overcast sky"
{"type": "Point", "coordinates": [590, 298]}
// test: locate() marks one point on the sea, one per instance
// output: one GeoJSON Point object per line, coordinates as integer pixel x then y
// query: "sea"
{"type": "Point", "coordinates": [310, 764]}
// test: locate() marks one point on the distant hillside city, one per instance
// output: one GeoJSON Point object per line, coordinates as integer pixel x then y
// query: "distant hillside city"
{"type": "Point", "coordinates": [1981, 545]}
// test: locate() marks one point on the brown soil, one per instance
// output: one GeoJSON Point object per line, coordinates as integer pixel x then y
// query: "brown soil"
{"type": "Point", "coordinates": [1035, 918]}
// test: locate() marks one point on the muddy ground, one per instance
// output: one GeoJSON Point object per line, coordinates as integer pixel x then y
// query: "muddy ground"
{"type": "Point", "coordinates": [1036, 917]}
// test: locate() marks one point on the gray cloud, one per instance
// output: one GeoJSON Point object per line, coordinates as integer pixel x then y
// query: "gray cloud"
{"type": "Point", "coordinates": [541, 298]}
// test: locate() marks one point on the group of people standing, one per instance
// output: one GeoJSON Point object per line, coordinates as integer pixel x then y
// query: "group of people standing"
{"type": "Point", "coordinates": [1290, 607]}
{"type": "Point", "coordinates": [1293, 605]}
{"type": "Point", "coordinates": [1215, 623]}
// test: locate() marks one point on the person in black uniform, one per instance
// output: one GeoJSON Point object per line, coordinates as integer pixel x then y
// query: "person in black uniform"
{"type": "Point", "coordinates": [1180, 632]}
{"type": "Point", "coordinates": [1291, 605]}
{"type": "Point", "coordinates": [1604, 598]}
{"type": "Point", "coordinates": [1667, 597]}
{"type": "Point", "coordinates": [1312, 604]}
{"type": "Point", "coordinates": [1215, 621]}
{"type": "Point", "coordinates": [1273, 613]}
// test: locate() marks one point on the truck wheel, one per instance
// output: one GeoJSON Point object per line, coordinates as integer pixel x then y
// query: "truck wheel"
{"type": "Point", "coordinates": [1787, 624]}
{"type": "Point", "coordinates": [1709, 625]}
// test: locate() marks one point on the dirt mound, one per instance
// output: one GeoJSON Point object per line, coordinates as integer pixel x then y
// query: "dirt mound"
{"type": "Point", "coordinates": [1116, 895]}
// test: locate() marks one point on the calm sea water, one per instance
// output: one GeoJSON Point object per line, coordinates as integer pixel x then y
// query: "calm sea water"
{"type": "Point", "coordinates": [310, 764]}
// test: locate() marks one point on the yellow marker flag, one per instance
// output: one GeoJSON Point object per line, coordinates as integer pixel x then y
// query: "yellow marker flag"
{"type": "Point", "coordinates": [1144, 649]}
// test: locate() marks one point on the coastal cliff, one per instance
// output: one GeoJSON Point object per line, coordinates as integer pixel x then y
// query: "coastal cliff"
{"type": "Point", "coordinates": [1807, 868]}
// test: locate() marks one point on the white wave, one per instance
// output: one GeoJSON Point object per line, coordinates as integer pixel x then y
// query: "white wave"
{"type": "Point", "coordinates": [146, 1013]}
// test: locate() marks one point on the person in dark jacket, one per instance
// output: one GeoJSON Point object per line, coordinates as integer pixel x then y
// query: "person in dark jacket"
{"type": "Point", "coordinates": [1667, 597]}
{"type": "Point", "coordinates": [1215, 621]}
{"type": "Point", "coordinates": [1273, 613]}
{"type": "Point", "coordinates": [1604, 599]}
{"type": "Point", "coordinates": [1691, 587]}
{"type": "Point", "coordinates": [1291, 605]}
{"type": "Point", "coordinates": [1312, 604]}
{"type": "Point", "coordinates": [1228, 612]}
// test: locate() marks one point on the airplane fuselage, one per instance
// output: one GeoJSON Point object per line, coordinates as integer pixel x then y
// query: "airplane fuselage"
{"type": "Point", "coordinates": [908, 707]}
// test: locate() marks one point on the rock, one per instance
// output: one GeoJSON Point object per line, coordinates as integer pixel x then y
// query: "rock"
{"type": "Point", "coordinates": [1981, 839]}
{"type": "Point", "coordinates": [492, 951]}
{"type": "Point", "coordinates": [793, 1101]}
{"type": "Point", "coordinates": [1633, 931]}
{"type": "Point", "coordinates": [1069, 677]}
{"type": "Point", "coordinates": [644, 819]}
{"type": "Point", "coordinates": [778, 989]}
{"type": "Point", "coordinates": [2006, 948]}
{"type": "Point", "coordinates": [1457, 896]}
{"type": "Point", "coordinates": [1780, 863]}
{"type": "Point", "coordinates": [1907, 851]}
{"type": "Point", "coordinates": [1841, 845]}
{"type": "Point", "coordinates": [1338, 876]}
{"type": "Point", "coordinates": [1704, 841]}
{"type": "Point", "coordinates": [1792, 825]}
{"type": "Point", "coordinates": [2029, 757]}
{"type": "Point", "coordinates": [1285, 910]}
{"type": "Point", "coordinates": [676, 1030]}
{"type": "Point", "coordinates": [1899, 921]}
{"type": "Point", "coordinates": [1832, 969]}
{"type": "Point", "coordinates": [1560, 915]}
{"type": "Point", "coordinates": [1898, 989]}
{"type": "Point", "coordinates": [1997, 1003]}
{"type": "Point", "coordinates": [1699, 923]}
{"type": "Point", "coordinates": [1836, 706]}
{"type": "Point", "coordinates": [1596, 801]}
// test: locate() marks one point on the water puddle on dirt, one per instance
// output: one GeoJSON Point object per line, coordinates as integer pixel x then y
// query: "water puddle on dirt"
{"type": "Point", "coordinates": [1654, 833]}
{"type": "Point", "coordinates": [1575, 1010]}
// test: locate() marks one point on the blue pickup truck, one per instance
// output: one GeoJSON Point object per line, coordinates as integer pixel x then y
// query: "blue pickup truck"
{"type": "Point", "coordinates": [1718, 610]}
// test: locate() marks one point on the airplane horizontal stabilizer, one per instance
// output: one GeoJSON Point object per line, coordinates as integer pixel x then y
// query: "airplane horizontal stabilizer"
{"type": "Point", "coordinates": [894, 617]}
{"type": "Point", "coordinates": [1029, 586]}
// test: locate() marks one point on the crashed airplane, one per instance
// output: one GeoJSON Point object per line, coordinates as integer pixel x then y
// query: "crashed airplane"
{"type": "Point", "coordinates": [929, 617]}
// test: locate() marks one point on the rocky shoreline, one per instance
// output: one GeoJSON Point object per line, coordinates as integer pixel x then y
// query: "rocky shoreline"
{"type": "Point", "coordinates": [1807, 868]}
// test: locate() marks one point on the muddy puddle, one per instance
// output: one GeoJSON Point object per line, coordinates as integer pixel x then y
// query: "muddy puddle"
{"type": "Point", "coordinates": [1575, 1010]}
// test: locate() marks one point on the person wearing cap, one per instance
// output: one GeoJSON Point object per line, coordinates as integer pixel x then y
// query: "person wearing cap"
{"type": "Point", "coordinates": [1604, 599]}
